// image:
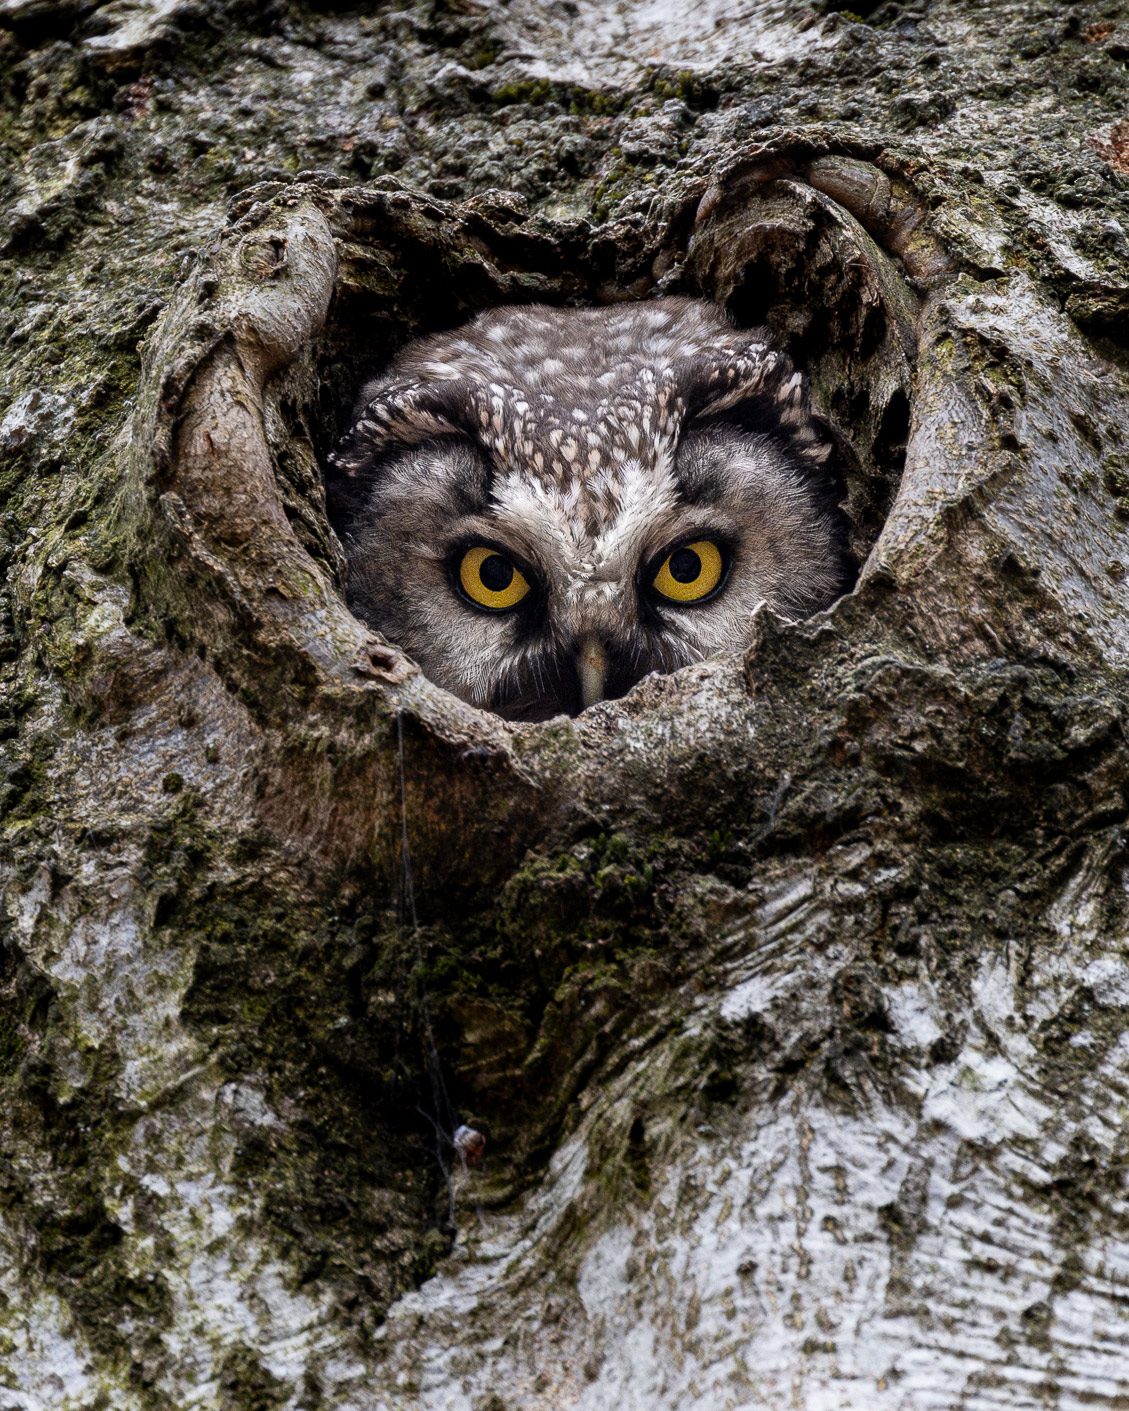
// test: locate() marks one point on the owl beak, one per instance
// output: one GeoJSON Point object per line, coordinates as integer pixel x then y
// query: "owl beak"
{"type": "Point", "coordinates": [592, 662]}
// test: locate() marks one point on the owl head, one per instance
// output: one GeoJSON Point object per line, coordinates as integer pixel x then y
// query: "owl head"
{"type": "Point", "coordinates": [545, 505]}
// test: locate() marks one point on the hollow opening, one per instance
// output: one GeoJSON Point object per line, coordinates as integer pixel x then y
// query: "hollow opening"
{"type": "Point", "coordinates": [789, 261]}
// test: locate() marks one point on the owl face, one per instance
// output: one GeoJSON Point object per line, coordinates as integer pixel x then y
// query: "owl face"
{"type": "Point", "coordinates": [546, 505]}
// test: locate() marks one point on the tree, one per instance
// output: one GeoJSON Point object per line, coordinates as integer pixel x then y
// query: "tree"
{"type": "Point", "coordinates": [790, 992]}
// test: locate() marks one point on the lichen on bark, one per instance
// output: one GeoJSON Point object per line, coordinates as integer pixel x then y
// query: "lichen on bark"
{"type": "Point", "coordinates": [790, 991]}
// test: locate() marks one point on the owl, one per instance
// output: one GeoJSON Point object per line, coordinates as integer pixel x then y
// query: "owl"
{"type": "Point", "coordinates": [546, 504]}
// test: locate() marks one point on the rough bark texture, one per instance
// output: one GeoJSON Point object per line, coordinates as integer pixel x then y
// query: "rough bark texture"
{"type": "Point", "coordinates": [792, 992]}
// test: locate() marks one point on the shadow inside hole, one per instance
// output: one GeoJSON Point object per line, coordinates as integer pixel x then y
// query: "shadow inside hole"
{"type": "Point", "coordinates": [844, 315]}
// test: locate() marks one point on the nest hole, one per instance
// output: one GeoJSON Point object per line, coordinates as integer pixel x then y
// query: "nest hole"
{"type": "Point", "coordinates": [784, 257]}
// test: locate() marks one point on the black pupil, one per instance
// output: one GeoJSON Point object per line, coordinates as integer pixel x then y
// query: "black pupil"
{"type": "Point", "coordinates": [685, 565]}
{"type": "Point", "coordinates": [496, 573]}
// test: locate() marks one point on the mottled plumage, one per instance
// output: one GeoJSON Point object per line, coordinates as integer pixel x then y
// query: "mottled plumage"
{"type": "Point", "coordinates": [582, 459]}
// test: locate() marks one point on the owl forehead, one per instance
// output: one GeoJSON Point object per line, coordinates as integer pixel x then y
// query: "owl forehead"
{"type": "Point", "coordinates": [591, 455]}
{"type": "Point", "coordinates": [597, 339]}
{"type": "Point", "coordinates": [582, 552]}
{"type": "Point", "coordinates": [588, 402]}
{"type": "Point", "coordinates": [577, 358]}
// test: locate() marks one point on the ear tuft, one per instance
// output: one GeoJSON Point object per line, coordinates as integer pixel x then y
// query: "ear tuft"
{"type": "Point", "coordinates": [763, 381]}
{"type": "Point", "coordinates": [394, 414]}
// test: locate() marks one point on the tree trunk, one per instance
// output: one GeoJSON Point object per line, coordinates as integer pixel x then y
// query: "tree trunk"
{"type": "Point", "coordinates": [791, 993]}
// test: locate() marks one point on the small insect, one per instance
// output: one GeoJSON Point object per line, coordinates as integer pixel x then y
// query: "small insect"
{"type": "Point", "coordinates": [545, 505]}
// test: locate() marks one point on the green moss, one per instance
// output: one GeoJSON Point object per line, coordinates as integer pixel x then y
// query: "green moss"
{"type": "Point", "coordinates": [1115, 478]}
{"type": "Point", "coordinates": [530, 90]}
{"type": "Point", "coordinates": [576, 100]}
{"type": "Point", "coordinates": [690, 86]}
{"type": "Point", "coordinates": [62, 1211]}
{"type": "Point", "coordinates": [291, 994]}
{"type": "Point", "coordinates": [480, 55]}
{"type": "Point", "coordinates": [246, 1385]}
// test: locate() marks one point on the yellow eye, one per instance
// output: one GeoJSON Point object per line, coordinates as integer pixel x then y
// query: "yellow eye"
{"type": "Point", "coordinates": [491, 580]}
{"type": "Point", "coordinates": [691, 572]}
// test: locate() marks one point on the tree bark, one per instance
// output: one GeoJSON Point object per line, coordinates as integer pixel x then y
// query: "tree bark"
{"type": "Point", "coordinates": [789, 992]}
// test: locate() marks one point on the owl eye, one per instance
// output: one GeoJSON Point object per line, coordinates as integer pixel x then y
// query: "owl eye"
{"type": "Point", "coordinates": [691, 572]}
{"type": "Point", "coordinates": [490, 580]}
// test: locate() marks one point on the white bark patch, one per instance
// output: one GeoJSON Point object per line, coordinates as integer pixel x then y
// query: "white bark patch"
{"type": "Point", "coordinates": [45, 1364]}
